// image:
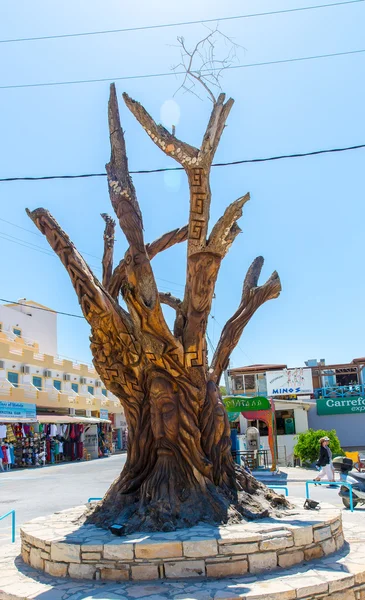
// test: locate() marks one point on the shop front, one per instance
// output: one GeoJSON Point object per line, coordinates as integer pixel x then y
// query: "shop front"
{"type": "Point", "coordinates": [345, 415]}
{"type": "Point", "coordinates": [28, 439]}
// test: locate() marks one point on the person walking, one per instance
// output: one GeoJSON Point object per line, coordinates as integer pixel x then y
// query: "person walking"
{"type": "Point", "coordinates": [325, 461]}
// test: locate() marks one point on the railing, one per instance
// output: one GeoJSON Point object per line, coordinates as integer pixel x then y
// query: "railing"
{"type": "Point", "coordinates": [339, 391]}
{"type": "Point", "coordinates": [12, 513]}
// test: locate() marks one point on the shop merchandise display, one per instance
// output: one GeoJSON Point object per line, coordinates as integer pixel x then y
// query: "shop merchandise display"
{"type": "Point", "coordinates": [105, 440]}
{"type": "Point", "coordinates": [31, 445]}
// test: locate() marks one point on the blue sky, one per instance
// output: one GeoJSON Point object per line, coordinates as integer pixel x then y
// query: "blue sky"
{"type": "Point", "coordinates": [306, 216]}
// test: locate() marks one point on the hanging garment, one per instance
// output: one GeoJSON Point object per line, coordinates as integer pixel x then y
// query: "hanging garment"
{"type": "Point", "coordinates": [2, 432]}
{"type": "Point", "coordinates": [10, 433]}
{"type": "Point", "coordinates": [12, 455]}
{"type": "Point", "coordinates": [1, 453]}
{"type": "Point", "coordinates": [80, 450]}
{"type": "Point", "coordinates": [5, 459]}
{"type": "Point", "coordinates": [48, 450]}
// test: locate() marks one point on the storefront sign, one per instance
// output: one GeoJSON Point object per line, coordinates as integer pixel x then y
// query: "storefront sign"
{"type": "Point", "coordinates": [104, 414]}
{"type": "Point", "coordinates": [232, 417]}
{"type": "Point", "coordinates": [243, 404]}
{"type": "Point", "coordinates": [18, 411]}
{"type": "Point", "coordinates": [340, 406]}
{"type": "Point", "coordinates": [289, 382]}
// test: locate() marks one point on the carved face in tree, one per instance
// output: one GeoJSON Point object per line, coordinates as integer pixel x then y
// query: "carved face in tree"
{"type": "Point", "coordinates": [164, 412]}
{"type": "Point", "coordinates": [203, 277]}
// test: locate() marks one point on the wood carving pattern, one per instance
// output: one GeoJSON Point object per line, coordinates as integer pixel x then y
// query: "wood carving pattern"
{"type": "Point", "coordinates": [179, 468]}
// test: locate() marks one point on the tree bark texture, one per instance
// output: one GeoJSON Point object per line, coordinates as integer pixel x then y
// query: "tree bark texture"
{"type": "Point", "coordinates": [179, 469]}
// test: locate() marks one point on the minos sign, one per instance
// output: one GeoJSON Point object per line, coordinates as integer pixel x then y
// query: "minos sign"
{"type": "Point", "coordinates": [289, 382]}
{"type": "Point", "coordinates": [340, 406]}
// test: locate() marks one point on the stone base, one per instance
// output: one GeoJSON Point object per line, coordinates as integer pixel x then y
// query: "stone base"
{"type": "Point", "coordinates": [62, 548]}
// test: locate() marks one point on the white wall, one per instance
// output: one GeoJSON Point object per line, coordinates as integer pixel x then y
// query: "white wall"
{"type": "Point", "coordinates": [36, 325]}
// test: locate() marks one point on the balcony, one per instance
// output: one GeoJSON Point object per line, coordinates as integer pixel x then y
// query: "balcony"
{"type": "Point", "coordinates": [339, 391]}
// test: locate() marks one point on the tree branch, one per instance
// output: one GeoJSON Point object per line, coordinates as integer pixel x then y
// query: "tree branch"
{"type": "Point", "coordinates": [226, 229]}
{"type": "Point", "coordinates": [108, 249]}
{"type": "Point", "coordinates": [167, 298]}
{"type": "Point", "coordinates": [183, 153]}
{"type": "Point", "coordinates": [252, 298]}
{"type": "Point", "coordinates": [117, 353]}
{"type": "Point", "coordinates": [162, 243]}
{"type": "Point", "coordinates": [140, 291]}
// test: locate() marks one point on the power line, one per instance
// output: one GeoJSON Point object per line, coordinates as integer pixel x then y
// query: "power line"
{"type": "Point", "coordinates": [170, 73]}
{"type": "Point", "coordinates": [32, 246]}
{"type": "Point", "coordinates": [182, 23]}
{"type": "Point", "coordinates": [40, 235]}
{"type": "Point", "coordinates": [15, 240]}
{"type": "Point", "coordinates": [58, 312]}
{"type": "Point", "coordinates": [162, 170]}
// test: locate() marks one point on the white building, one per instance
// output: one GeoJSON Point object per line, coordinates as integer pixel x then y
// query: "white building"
{"type": "Point", "coordinates": [31, 371]}
{"type": "Point", "coordinates": [32, 322]}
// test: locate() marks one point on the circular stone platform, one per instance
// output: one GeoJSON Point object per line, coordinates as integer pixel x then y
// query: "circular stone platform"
{"type": "Point", "coordinates": [61, 547]}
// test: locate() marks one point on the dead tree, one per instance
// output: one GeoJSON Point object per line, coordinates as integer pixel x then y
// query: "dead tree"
{"type": "Point", "coordinates": [179, 468]}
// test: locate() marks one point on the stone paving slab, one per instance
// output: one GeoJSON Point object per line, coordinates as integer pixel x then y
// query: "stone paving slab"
{"type": "Point", "coordinates": [343, 573]}
{"type": "Point", "coordinates": [340, 576]}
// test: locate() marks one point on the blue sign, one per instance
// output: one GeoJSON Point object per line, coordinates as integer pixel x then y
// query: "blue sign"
{"type": "Point", "coordinates": [18, 411]}
{"type": "Point", "coordinates": [104, 414]}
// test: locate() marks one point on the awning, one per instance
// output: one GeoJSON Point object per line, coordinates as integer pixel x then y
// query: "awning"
{"type": "Point", "coordinates": [70, 419]}
{"type": "Point", "coordinates": [57, 419]}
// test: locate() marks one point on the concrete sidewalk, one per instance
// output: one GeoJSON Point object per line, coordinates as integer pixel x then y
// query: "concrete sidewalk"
{"type": "Point", "coordinates": [285, 475]}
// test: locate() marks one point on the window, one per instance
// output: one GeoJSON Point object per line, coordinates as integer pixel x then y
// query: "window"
{"type": "Point", "coordinates": [90, 389]}
{"type": "Point", "coordinates": [238, 382]}
{"type": "Point", "coordinates": [13, 378]}
{"type": "Point", "coordinates": [57, 384]}
{"type": "Point", "coordinates": [75, 387]}
{"type": "Point", "coordinates": [104, 392]}
{"type": "Point", "coordinates": [37, 382]}
{"type": "Point", "coordinates": [250, 383]}
{"type": "Point", "coordinates": [17, 332]}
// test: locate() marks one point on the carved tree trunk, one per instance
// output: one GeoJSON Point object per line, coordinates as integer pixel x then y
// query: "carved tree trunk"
{"type": "Point", "coordinates": [179, 468]}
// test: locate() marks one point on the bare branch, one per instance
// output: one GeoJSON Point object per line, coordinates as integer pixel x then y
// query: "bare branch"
{"type": "Point", "coordinates": [121, 189]}
{"type": "Point", "coordinates": [252, 298]}
{"type": "Point", "coordinates": [201, 65]}
{"type": "Point", "coordinates": [226, 228]}
{"type": "Point", "coordinates": [167, 298]}
{"type": "Point", "coordinates": [108, 249]}
{"type": "Point", "coordinates": [183, 153]}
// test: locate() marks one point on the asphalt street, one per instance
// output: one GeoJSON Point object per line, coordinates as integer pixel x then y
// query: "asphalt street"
{"type": "Point", "coordinates": [38, 492]}
{"type": "Point", "coordinates": [42, 491]}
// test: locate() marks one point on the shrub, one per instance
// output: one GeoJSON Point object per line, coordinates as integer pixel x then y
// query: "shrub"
{"type": "Point", "coordinates": [307, 446]}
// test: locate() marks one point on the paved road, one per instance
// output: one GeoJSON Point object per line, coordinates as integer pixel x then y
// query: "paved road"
{"type": "Point", "coordinates": [38, 492]}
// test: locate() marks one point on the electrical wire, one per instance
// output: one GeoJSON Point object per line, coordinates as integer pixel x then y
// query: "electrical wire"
{"type": "Point", "coordinates": [171, 73]}
{"type": "Point", "coordinates": [182, 23]}
{"type": "Point", "coordinates": [58, 312]}
{"type": "Point", "coordinates": [40, 235]}
{"type": "Point", "coordinates": [32, 246]}
{"type": "Point", "coordinates": [163, 170]}
{"type": "Point", "coordinates": [10, 238]}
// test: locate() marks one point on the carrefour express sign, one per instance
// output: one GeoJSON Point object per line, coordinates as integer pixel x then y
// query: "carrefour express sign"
{"type": "Point", "coordinates": [340, 406]}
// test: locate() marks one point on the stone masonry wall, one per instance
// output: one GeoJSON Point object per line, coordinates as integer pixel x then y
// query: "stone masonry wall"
{"type": "Point", "coordinates": [89, 553]}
